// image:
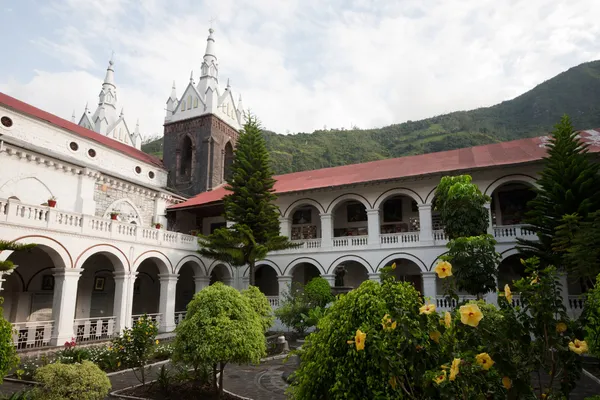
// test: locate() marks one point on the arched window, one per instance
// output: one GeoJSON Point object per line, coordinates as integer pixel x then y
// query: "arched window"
{"type": "Point", "coordinates": [228, 161]}
{"type": "Point", "coordinates": [189, 102]}
{"type": "Point", "coordinates": [195, 102]}
{"type": "Point", "coordinates": [182, 105]}
{"type": "Point", "coordinates": [185, 165]}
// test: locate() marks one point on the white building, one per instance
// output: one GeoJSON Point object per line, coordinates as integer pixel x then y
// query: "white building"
{"type": "Point", "coordinates": [93, 271]}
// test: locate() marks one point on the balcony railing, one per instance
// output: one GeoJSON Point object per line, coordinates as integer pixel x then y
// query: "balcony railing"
{"type": "Point", "coordinates": [350, 241]}
{"type": "Point", "coordinates": [30, 335]}
{"type": "Point", "coordinates": [511, 232]}
{"type": "Point", "coordinates": [89, 329]}
{"type": "Point", "coordinates": [307, 243]}
{"type": "Point", "coordinates": [179, 316]}
{"type": "Point", "coordinates": [273, 301]}
{"type": "Point", "coordinates": [14, 212]}
{"type": "Point", "coordinates": [399, 239]}
{"type": "Point", "coordinates": [443, 303]}
{"type": "Point", "coordinates": [156, 318]}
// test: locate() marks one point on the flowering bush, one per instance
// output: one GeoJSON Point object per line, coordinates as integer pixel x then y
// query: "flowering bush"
{"type": "Point", "coordinates": [135, 345]}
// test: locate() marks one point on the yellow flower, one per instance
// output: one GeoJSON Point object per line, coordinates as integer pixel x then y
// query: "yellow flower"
{"type": "Point", "coordinates": [394, 266]}
{"type": "Point", "coordinates": [484, 360]}
{"type": "Point", "coordinates": [156, 341]}
{"type": "Point", "coordinates": [534, 281]}
{"type": "Point", "coordinates": [118, 364]}
{"type": "Point", "coordinates": [578, 346]}
{"type": "Point", "coordinates": [506, 382]}
{"type": "Point", "coordinates": [435, 336]}
{"type": "Point", "coordinates": [393, 382]}
{"type": "Point", "coordinates": [454, 368]}
{"type": "Point", "coordinates": [507, 293]}
{"type": "Point", "coordinates": [561, 327]}
{"type": "Point", "coordinates": [359, 340]}
{"type": "Point", "coordinates": [440, 378]}
{"type": "Point", "coordinates": [387, 323]}
{"type": "Point", "coordinates": [447, 319]}
{"type": "Point", "coordinates": [427, 309]}
{"type": "Point", "coordinates": [443, 269]}
{"type": "Point", "coordinates": [470, 315]}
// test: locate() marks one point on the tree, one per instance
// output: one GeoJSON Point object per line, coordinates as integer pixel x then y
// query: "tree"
{"type": "Point", "coordinates": [260, 304]}
{"type": "Point", "coordinates": [11, 246]}
{"type": "Point", "coordinates": [220, 327]}
{"type": "Point", "coordinates": [568, 184]}
{"type": "Point", "coordinates": [250, 207]}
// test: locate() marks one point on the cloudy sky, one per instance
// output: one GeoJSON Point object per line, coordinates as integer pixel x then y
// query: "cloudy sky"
{"type": "Point", "coordinates": [300, 65]}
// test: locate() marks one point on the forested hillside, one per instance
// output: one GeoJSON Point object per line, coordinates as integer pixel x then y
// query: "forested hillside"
{"type": "Point", "coordinates": [575, 92]}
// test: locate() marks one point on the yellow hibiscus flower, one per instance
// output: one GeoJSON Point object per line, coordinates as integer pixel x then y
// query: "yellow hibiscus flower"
{"type": "Point", "coordinates": [506, 382]}
{"type": "Point", "coordinates": [435, 336]}
{"type": "Point", "coordinates": [394, 266]}
{"type": "Point", "coordinates": [427, 309]}
{"type": "Point", "coordinates": [387, 323]}
{"type": "Point", "coordinates": [507, 293]}
{"type": "Point", "coordinates": [443, 269]}
{"type": "Point", "coordinates": [534, 281]}
{"type": "Point", "coordinates": [561, 327]}
{"type": "Point", "coordinates": [440, 378]}
{"type": "Point", "coordinates": [470, 314]}
{"type": "Point", "coordinates": [578, 346]}
{"type": "Point", "coordinates": [484, 360]}
{"type": "Point", "coordinates": [447, 319]}
{"type": "Point", "coordinates": [454, 368]}
{"type": "Point", "coordinates": [393, 382]}
{"type": "Point", "coordinates": [359, 340]}
{"type": "Point", "coordinates": [156, 341]}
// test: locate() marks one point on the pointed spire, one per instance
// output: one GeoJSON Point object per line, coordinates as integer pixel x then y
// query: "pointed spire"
{"type": "Point", "coordinates": [192, 77]}
{"type": "Point", "coordinates": [137, 127]}
{"type": "Point", "coordinates": [173, 92]}
{"type": "Point", "coordinates": [228, 85]}
{"type": "Point", "coordinates": [122, 112]}
{"type": "Point", "coordinates": [87, 109]}
{"type": "Point", "coordinates": [73, 117]}
{"type": "Point", "coordinates": [240, 107]}
{"type": "Point", "coordinates": [210, 45]}
{"type": "Point", "coordinates": [109, 79]}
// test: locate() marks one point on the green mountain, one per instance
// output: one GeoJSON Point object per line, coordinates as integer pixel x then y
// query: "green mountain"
{"type": "Point", "coordinates": [575, 92]}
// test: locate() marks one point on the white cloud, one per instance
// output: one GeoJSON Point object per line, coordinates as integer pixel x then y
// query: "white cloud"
{"type": "Point", "coordinates": [303, 65]}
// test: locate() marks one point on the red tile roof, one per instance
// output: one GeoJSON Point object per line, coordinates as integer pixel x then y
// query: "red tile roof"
{"type": "Point", "coordinates": [497, 154]}
{"type": "Point", "coordinates": [34, 112]}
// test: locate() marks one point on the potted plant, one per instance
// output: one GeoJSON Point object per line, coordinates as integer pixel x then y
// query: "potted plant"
{"type": "Point", "coordinates": [52, 202]}
{"type": "Point", "coordinates": [114, 215]}
{"type": "Point", "coordinates": [158, 225]}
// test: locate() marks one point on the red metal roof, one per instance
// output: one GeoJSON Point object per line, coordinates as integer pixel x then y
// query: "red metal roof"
{"type": "Point", "coordinates": [497, 154]}
{"type": "Point", "coordinates": [32, 111]}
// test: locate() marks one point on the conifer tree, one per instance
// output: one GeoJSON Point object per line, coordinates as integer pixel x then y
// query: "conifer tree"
{"type": "Point", "coordinates": [11, 246]}
{"type": "Point", "coordinates": [250, 206]}
{"type": "Point", "coordinates": [568, 184]}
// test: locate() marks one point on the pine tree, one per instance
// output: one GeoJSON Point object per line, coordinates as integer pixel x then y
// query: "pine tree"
{"type": "Point", "coordinates": [250, 207]}
{"type": "Point", "coordinates": [11, 246]}
{"type": "Point", "coordinates": [568, 184]}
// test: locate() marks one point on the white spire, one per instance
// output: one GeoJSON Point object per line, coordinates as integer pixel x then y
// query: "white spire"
{"type": "Point", "coordinates": [228, 85]}
{"type": "Point", "coordinates": [87, 109]}
{"type": "Point", "coordinates": [209, 54]}
{"type": "Point", "coordinates": [109, 79]}
{"type": "Point", "coordinates": [122, 112]}
{"type": "Point", "coordinates": [73, 117]}
{"type": "Point", "coordinates": [209, 72]}
{"type": "Point", "coordinates": [173, 92]}
{"type": "Point", "coordinates": [192, 77]}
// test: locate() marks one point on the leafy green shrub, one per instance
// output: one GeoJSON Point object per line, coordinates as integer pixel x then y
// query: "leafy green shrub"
{"type": "Point", "coordinates": [260, 304]}
{"type": "Point", "coordinates": [135, 345]}
{"type": "Point", "coordinates": [318, 292]}
{"type": "Point", "coordinates": [162, 351]}
{"type": "Point", "coordinates": [220, 327]}
{"type": "Point", "coordinates": [8, 354]}
{"type": "Point", "coordinates": [295, 309]}
{"type": "Point", "coordinates": [592, 327]}
{"type": "Point", "coordinates": [83, 381]}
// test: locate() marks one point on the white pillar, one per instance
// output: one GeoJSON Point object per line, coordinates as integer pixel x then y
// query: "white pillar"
{"type": "Point", "coordinates": [375, 276]}
{"type": "Point", "coordinates": [122, 306]}
{"type": "Point", "coordinates": [246, 282]}
{"type": "Point", "coordinates": [4, 274]}
{"type": "Point", "coordinates": [492, 297]}
{"type": "Point", "coordinates": [497, 210]}
{"type": "Point", "coordinates": [429, 286]}
{"type": "Point", "coordinates": [330, 278]}
{"type": "Point", "coordinates": [490, 229]}
{"type": "Point", "coordinates": [326, 230]}
{"type": "Point", "coordinates": [562, 279]}
{"type": "Point", "coordinates": [201, 282]}
{"type": "Point", "coordinates": [285, 284]}
{"type": "Point", "coordinates": [425, 224]}
{"type": "Point", "coordinates": [373, 226]}
{"type": "Point", "coordinates": [168, 286]}
{"type": "Point", "coordinates": [285, 227]}
{"type": "Point", "coordinates": [63, 303]}
{"type": "Point", "coordinates": [130, 293]}
{"type": "Point", "coordinates": [86, 185]}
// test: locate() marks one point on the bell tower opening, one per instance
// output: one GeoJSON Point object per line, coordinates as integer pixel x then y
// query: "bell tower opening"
{"type": "Point", "coordinates": [185, 164]}
{"type": "Point", "coordinates": [228, 161]}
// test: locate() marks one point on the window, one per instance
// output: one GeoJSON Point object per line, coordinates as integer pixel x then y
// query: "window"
{"type": "Point", "coordinates": [228, 161]}
{"type": "Point", "coordinates": [151, 175]}
{"type": "Point", "coordinates": [6, 122]}
{"type": "Point", "coordinates": [92, 153]}
{"type": "Point", "coordinates": [195, 102]}
{"type": "Point", "coordinates": [73, 146]}
{"type": "Point", "coordinates": [182, 105]}
{"type": "Point", "coordinates": [185, 162]}
{"type": "Point", "coordinates": [189, 102]}
{"type": "Point", "coordinates": [138, 170]}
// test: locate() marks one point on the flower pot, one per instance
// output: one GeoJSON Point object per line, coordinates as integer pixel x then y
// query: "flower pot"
{"type": "Point", "coordinates": [157, 226]}
{"type": "Point", "coordinates": [114, 216]}
{"type": "Point", "coordinates": [52, 203]}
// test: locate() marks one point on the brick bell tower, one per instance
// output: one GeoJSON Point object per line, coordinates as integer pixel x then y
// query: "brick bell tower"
{"type": "Point", "coordinates": [201, 130]}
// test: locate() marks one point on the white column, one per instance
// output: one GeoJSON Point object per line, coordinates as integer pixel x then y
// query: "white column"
{"type": "Point", "coordinates": [4, 274]}
{"type": "Point", "coordinates": [122, 307]}
{"type": "Point", "coordinates": [497, 209]}
{"type": "Point", "coordinates": [373, 226]}
{"type": "Point", "coordinates": [130, 282]}
{"type": "Point", "coordinates": [285, 227]}
{"type": "Point", "coordinates": [285, 283]}
{"type": "Point", "coordinates": [168, 285]}
{"type": "Point", "coordinates": [492, 297]}
{"type": "Point", "coordinates": [490, 229]}
{"type": "Point", "coordinates": [245, 282]}
{"type": "Point", "coordinates": [375, 276]}
{"type": "Point", "coordinates": [562, 279]}
{"type": "Point", "coordinates": [330, 278]}
{"type": "Point", "coordinates": [63, 303]}
{"type": "Point", "coordinates": [429, 285]}
{"type": "Point", "coordinates": [326, 230]}
{"type": "Point", "coordinates": [425, 224]}
{"type": "Point", "coordinates": [86, 185]}
{"type": "Point", "coordinates": [201, 282]}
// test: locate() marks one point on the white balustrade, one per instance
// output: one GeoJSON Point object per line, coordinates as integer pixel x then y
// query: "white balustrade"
{"type": "Point", "coordinates": [31, 335]}
{"type": "Point", "coordinates": [351, 241]}
{"type": "Point", "coordinates": [89, 329]}
{"type": "Point", "coordinates": [26, 215]}
{"type": "Point", "coordinates": [576, 305]}
{"type": "Point", "coordinates": [439, 235]}
{"type": "Point", "coordinates": [399, 239]}
{"type": "Point", "coordinates": [516, 301]}
{"type": "Point", "coordinates": [511, 232]}
{"type": "Point", "coordinates": [443, 303]}
{"type": "Point", "coordinates": [154, 317]}
{"type": "Point", "coordinates": [273, 301]}
{"type": "Point", "coordinates": [179, 316]}
{"type": "Point", "coordinates": [307, 244]}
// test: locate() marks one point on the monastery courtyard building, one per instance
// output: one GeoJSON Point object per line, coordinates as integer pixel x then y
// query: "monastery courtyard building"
{"type": "Point", "coordinates": [116, 228]}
